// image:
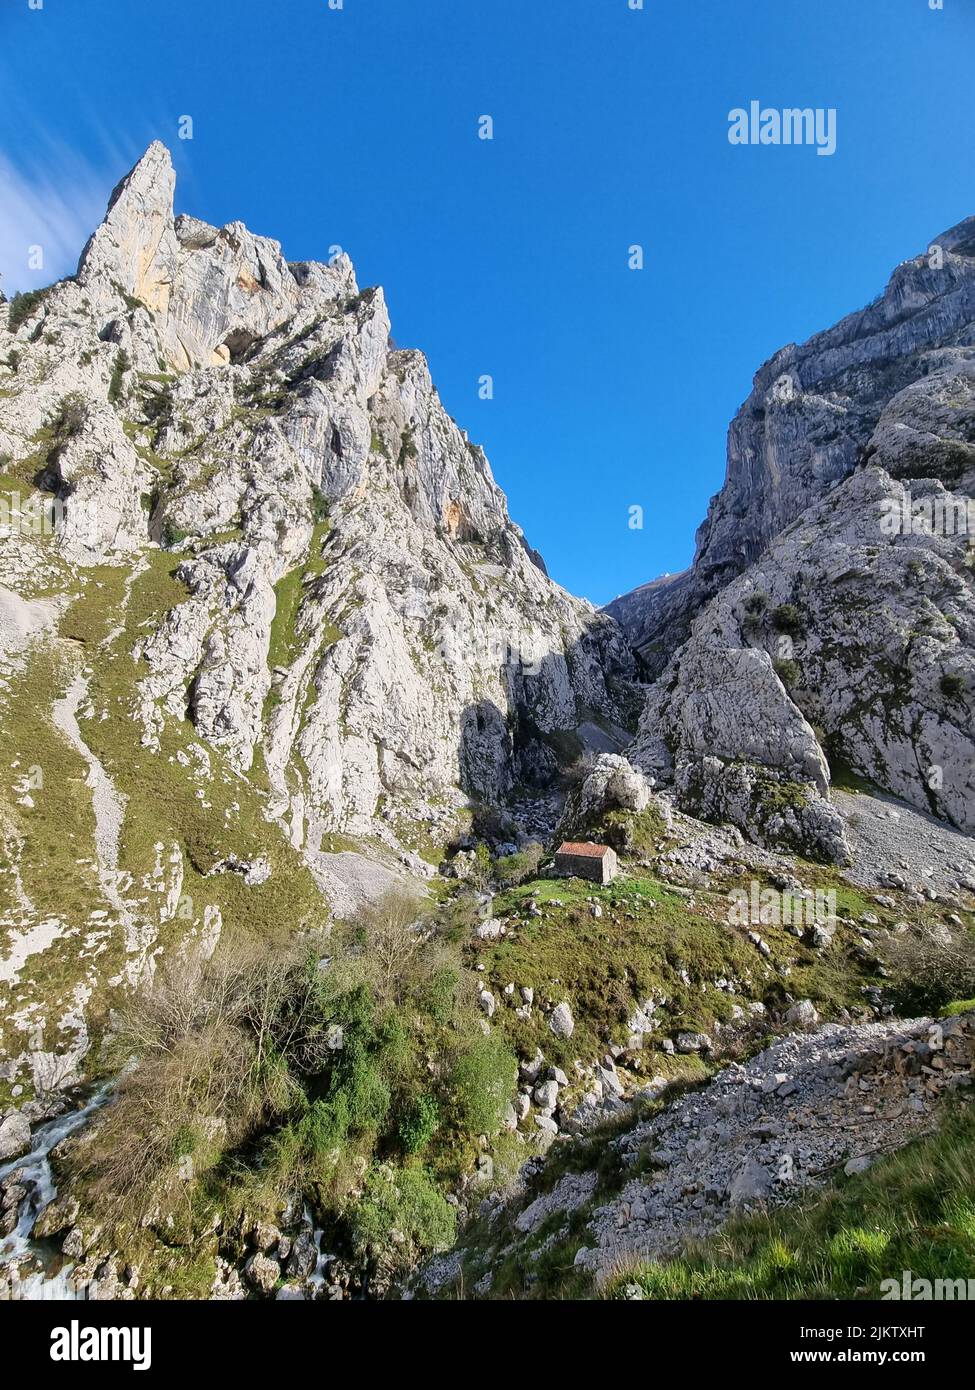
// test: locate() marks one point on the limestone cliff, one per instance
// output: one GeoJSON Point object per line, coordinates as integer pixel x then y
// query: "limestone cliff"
{"type": "Point", "coordinates": [252, 555]}
{"type": "Point", "coordinates": [829, 616]}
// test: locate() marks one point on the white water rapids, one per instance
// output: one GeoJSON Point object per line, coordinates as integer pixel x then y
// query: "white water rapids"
{"type": "Point", "coordinates": [27, 1266]}
{"type": "Point", "coordinates": [35, 1173]}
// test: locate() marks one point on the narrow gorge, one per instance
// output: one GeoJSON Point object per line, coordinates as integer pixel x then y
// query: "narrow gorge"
{"type": "Point", "coordinates": [293, 721]}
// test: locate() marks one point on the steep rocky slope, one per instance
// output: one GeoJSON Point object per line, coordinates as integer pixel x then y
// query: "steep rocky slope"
{"type": "Point", "coordinates": [262, 605]}
{"type": "Point", "coordinates": [829, 616]}
{"type": "Point", "coordinates": [808, 422]}
{"type": "Point", "coordinates": [759, 1135]}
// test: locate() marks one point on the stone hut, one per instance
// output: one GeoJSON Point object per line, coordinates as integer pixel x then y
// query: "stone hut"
{"type": "Point", "coordinates": [584, 860]}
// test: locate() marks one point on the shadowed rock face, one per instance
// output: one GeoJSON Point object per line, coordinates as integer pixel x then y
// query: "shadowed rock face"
{"type": "Point", "coordinates": [814, 620]}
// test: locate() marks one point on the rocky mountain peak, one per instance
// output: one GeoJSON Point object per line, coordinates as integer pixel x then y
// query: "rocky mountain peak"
{"type": "Point", "coordinates": [960, 239]}
{"type": "Point", "coordinates": [807, 424]}
{"type": "Point", "coordinates": [149, 186]}
{"type": "Point", "coordinates": [354, 622]}
{"type": "Point", "coordinates": [828, 623]}
{"type": "Point", "coordinates": [135, 243]}
{"type": "Point", "coordinates": [214, 291]}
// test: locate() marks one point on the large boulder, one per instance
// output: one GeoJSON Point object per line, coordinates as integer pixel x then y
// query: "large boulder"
{"type": "Point", "coordinates": [262, 1273]}
{"type": "Point", "coordinates": [14, 1136]}
{"type": "Point", "coordinates": [770, 809]}
{"type": "Point", "coordinates": [561, 1022]}
{"type": "Point", "coordinates": [613, 784]}
{"type": "Point", "coordinates": [609, 783]}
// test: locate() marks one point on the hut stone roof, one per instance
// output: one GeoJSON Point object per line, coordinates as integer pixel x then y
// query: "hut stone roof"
{"type": "Point", "coordinates": [583, 849]}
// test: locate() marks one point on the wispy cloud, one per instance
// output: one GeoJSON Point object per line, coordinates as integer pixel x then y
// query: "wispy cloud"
{"type": "Point", "coordinates": [49, 206]}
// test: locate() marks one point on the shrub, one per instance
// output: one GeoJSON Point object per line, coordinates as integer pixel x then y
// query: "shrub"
{"type": "Point", "coordinates": [394, 960]}
{"type": "Point", "coordinates": [753, 611]}
{"type": "Point", "coordinates": [788, 619]}
{"type": "Point", "coordinates": [23, 305]}
{"type": "Point", "coordinates": [479, 870]}
{"type": "Point", "coordinates": [359, 1087]}
{"type": "Point", "coordinates": [788, 672]}
{"type": "Point", "coordinates": [400, 1217]}
{"type": "Point", "coordinates": [439, 995]}
{"type": "Point", "coordinates": [518, 868]}
{"type": "Point", "coordinates": [157, 403]}
{"type": "Point", "coordinates": [278, 1079]}
{"type": "Point", "coordinates": [212, 1039]}
{"type": "Point", "coordinates": [462, 914]}
{"type": "Point", "coordinates": [70, 419]}
{"type": "Point", "coordinates": [172, 535]}
{"type": "Point", "coordinates": [930, 971]}
{"type": "Point", "coordinates": [122, 365]}
{"type": "Point", "coordinates": [482, 1082]}
{"type": "Point", "coordinates": [319, 505]}
{"type": "Point", "coordinates": [407, 449]}
{"type": "Point", "coordinates": [419, 1124]}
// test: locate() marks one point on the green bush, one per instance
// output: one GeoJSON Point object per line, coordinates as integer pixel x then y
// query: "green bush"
{"type": "Point", "coordinates": [788, 619]}
{"type": "Point", "coordinates": [70, 418]}
{"type": "Point", "coordinates": [122, 365]}
{"type": "Point", "coordinates": [439, 996]}
{"type": "Point", "coordinates": [479, 874]}
{"type": "Point", "coordinates": [788, 673]}
{"type": "Point", "coordinates": [419, 1124]}
{"type": "Point", "coordinates": [241, 1069]}
{"type": "Point", "coordinates": [482, 1082]}
{"type": "Point", "coordinates": [319, 505]}
{"type": "Point", "coordinates": [323, 1127]}
{"type": "Point", "coordinates": [519, 868]}
{"type": "Point", "coordinates": [401, 1216]}
{"type": "Point", "coordinates": [753, 611]}
{"type": "Point", "coordinates": [952, 685]}
{"type": "Point", "coordinates": [23, 305]}
{"type": "Point", "coordinates": [365, 1091]}
{"type": "Point", "coordinates": [357, 1085]}
{"type": "Point", "coordinates": [172, 535]}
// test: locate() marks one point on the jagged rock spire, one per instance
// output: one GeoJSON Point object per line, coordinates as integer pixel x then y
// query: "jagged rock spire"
{"type": "Point", "coordinates": [136, 243]}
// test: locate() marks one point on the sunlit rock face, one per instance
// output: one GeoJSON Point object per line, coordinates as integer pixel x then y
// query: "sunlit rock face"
{"type": "Point", "coordinates": [360, 613]}
{"type": "Point", "coordinates": [829, 611]}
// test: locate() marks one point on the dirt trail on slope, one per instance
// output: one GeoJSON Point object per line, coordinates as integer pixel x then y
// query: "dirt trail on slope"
{"type": "Point", "coordinates": [107, 803]}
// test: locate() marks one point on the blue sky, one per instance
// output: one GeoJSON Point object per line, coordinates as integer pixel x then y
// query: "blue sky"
{"type": "Point", "coordinates": [358, 127]}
